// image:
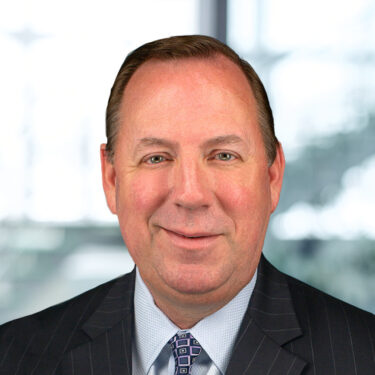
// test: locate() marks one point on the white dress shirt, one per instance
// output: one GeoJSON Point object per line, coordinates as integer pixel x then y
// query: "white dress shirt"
{"type": "Point", "coordinates": [151, 354]}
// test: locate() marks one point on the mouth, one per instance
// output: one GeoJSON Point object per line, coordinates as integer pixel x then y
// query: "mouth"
{"type": "Point", "coordinates": [195, 235]}
{"type": "Point", "coordinates": [191, 240]}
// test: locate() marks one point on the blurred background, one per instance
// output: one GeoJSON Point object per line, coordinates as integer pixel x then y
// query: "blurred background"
{"type": "Point", "coordinates": [59, 60]}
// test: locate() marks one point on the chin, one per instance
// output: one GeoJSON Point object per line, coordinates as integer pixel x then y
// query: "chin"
{"type": "Point", "coordinates": [194, 280]}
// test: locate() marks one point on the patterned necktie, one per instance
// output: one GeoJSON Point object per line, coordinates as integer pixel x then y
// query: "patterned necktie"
{"type": "Point", "coordinates": [185, 350]}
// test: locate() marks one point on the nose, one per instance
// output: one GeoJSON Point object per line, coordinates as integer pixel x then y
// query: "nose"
{"type": "Point", "coordinates": [190, 185]}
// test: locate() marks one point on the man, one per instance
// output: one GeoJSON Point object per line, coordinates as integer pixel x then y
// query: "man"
{"type": "Point", "coordinates": [193, 170]}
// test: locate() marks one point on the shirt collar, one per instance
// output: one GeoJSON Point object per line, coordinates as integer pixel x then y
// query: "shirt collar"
{"type": "Point", "coordinates": [153, 328]}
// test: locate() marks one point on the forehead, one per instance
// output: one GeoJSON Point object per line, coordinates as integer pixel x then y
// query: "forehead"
{"type": "Point", "coordinates": [182, 91]}
{"type": "Point", "coordinates": [189, 72]}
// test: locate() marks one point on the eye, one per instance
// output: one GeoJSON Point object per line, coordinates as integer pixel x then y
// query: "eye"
{"type": "Point", "coordinates": [224, 156]}
{"type": "Point", "coordinates": [155, 159]}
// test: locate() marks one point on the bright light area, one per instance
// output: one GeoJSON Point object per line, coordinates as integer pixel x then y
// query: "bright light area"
{"type": "Point", "coordinates": [316, 59]}
{"type": "Point", "coordinates": [315, 98]}
{"type": "Point", "coordinates": [59, 60]}
{"type": "Point", "coordinates": [349, 216]}
{"type": "Point", "coordinates": [96, 263]}
{"type": "Point", "coordinates": [319, 24]}
{"type": "Point", "coordinates": [242, 18]}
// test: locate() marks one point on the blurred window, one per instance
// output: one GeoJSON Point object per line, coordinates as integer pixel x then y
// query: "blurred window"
{"type": "Point", "coordinates": [59, 61]}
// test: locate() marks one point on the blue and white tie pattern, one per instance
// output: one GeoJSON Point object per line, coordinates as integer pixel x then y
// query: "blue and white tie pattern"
{"type": "Point", "coordinates": [185, 350]}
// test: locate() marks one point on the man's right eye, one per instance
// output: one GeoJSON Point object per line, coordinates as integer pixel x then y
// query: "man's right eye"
{"type": "Point", "coordinates": [155, 159]}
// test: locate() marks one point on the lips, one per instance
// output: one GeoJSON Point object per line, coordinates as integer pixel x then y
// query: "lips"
{"type": "Point", "coordinates": [191, 240]}
{"type": "Point", "coordinates": [191, 235]}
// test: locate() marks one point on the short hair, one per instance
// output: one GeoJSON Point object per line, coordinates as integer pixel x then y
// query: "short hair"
{"type": "Point", "coordinates": [184, 47]}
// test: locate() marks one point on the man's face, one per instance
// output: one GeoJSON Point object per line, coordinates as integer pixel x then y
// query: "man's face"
{"type": "Point", "coordinates": [190, 181]}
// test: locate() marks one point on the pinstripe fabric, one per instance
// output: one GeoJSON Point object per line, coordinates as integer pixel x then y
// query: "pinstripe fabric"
{"type": "Point", "coordinates": [36, 344]}
{"type": "Point", "coordinates": [289, 328]}
{"type": "Point", "coordinates": [338, 338]}
{"type": "Point", "coordinates": [292, 328]}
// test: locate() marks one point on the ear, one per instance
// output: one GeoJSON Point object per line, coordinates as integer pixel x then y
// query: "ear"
{"type": "Point", "coordinates": [108, 179]}
{"type": "Point", "coordinates": [276, 174]}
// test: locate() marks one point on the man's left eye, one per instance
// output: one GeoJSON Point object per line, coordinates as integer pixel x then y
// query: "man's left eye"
{"type": "Point", "coordinates": [224, 156]}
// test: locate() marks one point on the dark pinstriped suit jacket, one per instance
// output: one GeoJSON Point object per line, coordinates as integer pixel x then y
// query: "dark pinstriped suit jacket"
{"type": "Point", "coordinates": [289, 328]}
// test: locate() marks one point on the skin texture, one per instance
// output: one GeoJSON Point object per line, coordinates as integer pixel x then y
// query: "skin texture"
{"type": "Point", "coordinates": [190, 162]}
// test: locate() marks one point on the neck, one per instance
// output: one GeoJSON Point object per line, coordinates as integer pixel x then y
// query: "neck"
{"type": "Point", "coordinates": [186, 316]}
{"type": "Point", "coordinates": [186, 310]}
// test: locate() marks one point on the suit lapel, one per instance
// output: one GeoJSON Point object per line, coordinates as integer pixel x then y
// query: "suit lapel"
{"type": "Point", "coordinates": [103, 343]}
{"type": "Point", "coordinates": [57, 328]}
{"type": "Point", "coordinates": [269, 323]}
{"type": "Point", "coordinates": [111, 326]}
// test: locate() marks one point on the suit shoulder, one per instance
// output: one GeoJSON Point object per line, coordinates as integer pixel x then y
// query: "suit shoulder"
{"type": "Point", "coordinates": [300, 288]}
{"type": "Point", "coordinates": [320, 308]}
{"type": "Point", "coordinates": [45, 335]}
{"type": "Point", "coordinates": [29, 325]}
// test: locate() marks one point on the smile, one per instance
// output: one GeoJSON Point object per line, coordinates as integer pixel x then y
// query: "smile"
{"type": "Point", "coordinates": [197, 240]}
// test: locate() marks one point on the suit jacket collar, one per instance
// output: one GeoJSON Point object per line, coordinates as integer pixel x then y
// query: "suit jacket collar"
{"type": "Point", "coordinates": [271, 305]}
{"type": "Point", "coordinates": [116, 306]}
{"type": "Point", "coordinates": [58, 329]}
{"type": "Point", "coordinates": [269, 323]}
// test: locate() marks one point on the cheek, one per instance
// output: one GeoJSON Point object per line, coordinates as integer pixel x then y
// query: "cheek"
{"type": "Point", "coordinates": [139, 196]}
{"type": "Point", "coordinates": [245, 199]}
{"type": "Point", "coordinates": [137, 199]}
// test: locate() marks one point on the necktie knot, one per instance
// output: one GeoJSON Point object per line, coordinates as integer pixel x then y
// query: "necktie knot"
{"type": "Point", "coordinates": [185, 350]}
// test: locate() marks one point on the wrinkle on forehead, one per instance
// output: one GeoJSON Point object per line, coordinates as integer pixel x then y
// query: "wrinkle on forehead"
{"type": "Point", "coordinates": [220, 140]}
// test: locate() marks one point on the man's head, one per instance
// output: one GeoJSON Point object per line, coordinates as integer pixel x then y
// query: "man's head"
{"type": "Point", "coordinates": [191, 181]}
{"type": "Point", "coordinates": [185, 47]}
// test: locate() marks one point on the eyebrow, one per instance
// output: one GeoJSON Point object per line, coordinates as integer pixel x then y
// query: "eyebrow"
{"type": "Point", "coordinates": [216, 141]}
{"type": "Point", "coordinates": [153, 141]}
{"type": "Point", "coordinates": [223, 139]}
